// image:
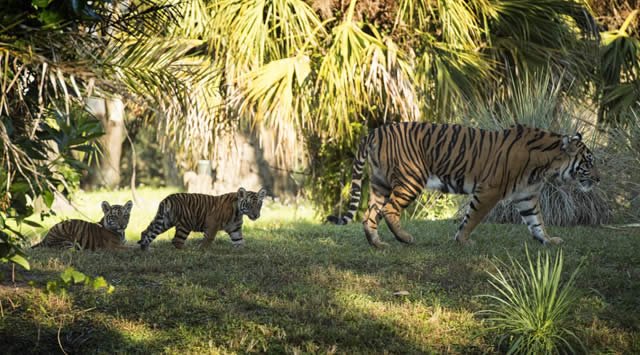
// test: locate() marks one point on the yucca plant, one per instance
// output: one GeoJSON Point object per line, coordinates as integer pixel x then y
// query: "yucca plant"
{"type": "Point", "coordinates": [532, 310]}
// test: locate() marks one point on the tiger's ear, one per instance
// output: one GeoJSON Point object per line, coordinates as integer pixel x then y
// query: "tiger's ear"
{"type": "Point", "coordinates": [262, 193]}
{"type": "Point", "coordinates": [242, 193]}
{"type": "Point", "coordinates": [105, 206]}
{"type": "Point", "coordinates": [569, 146]}
{"type": "Point", "coordinates": [128, 206]}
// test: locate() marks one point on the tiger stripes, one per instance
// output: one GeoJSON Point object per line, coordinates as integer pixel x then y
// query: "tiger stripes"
{"type": "Point", "coordinates": [193, 212]}
{"type": "Point", "coordinates": [107, 234]}
{"type": "Point", "coordinates": [404, 158]}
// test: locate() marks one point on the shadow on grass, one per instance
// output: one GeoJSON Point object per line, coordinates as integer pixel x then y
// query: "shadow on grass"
{"type": "Point", "coordinates": [80, 337]}
{"type": "Point", "coordinates": [294, 286]}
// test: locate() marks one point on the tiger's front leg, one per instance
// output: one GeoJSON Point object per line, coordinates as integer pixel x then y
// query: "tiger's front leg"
{"type": "Point", "coordinates": [529, 208]}
{"type": "Point", "coordinates": [479, 207]}
{"type": "Point", "coordinates": [235, 232]}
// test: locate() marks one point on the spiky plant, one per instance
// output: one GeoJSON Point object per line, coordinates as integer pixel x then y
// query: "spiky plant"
{"type": "Point", "coordinates": [532, 310]}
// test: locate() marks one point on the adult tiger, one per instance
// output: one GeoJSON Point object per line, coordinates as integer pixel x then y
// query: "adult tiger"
{"type": "Point", "coordinates": [511, 164]}
{"type": "Point", "coordinates": [193, 212]}
{"type": "Point", "coordinates": [106, 234]}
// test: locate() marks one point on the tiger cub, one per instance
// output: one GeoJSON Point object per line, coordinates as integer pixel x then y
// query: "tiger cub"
{"type": "Point", "coordinates": [404, 158]}
{"type": "Point", "coordinates": [106, 234]}
{"type": "Point", "coordinates": [193, 212]}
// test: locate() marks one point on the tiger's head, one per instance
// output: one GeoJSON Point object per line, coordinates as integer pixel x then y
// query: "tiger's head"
{"type": "Point", "coordinates": [116, 217]}
{"type": "Point", "coordinates": [580, 165]}
{"type": "Point", "coordinates": [250, 203]}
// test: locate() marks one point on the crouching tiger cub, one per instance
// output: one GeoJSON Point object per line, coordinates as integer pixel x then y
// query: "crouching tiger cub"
{"type": "Point", "coordinates": [193, 212]}
{"type": "Point", "coordinates": [106, 234]}
{"type": "Point", "coordinates": [491, 166]}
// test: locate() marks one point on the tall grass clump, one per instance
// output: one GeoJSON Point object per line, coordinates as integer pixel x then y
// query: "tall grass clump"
{"type": "Point", "coordinates": [538, 101]}
{"type": "Point", "coordinates": [620, 172]}
{"type": "Point", "coordinates": [532, 311]}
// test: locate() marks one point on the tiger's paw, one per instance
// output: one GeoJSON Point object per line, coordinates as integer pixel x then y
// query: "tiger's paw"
{"type": "Point", "coordinates": [177, 245]}
{"type": "Point", "coordinates": [378, 244]}
{"type": "Point", "coordinates": [406, 238]}
{"type": "Point", "coordinates": [555, 240]}
{"type": "Point", "coordinates": [372, 237]}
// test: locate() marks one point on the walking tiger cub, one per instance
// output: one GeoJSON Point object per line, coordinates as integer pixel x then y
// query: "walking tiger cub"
{"type": "Point", "coordinates": [192, 212]}
{"type": "Point", "coordinates": [491, 166]}
{"type": "Point", "coordinates": [106, 234]}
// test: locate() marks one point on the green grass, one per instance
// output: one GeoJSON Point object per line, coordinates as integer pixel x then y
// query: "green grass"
{"type": "Point", "coordinates": [299, 286]}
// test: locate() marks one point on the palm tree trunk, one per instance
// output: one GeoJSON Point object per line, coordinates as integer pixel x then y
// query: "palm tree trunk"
{"type": "Point", "coordinates": [111, 113]}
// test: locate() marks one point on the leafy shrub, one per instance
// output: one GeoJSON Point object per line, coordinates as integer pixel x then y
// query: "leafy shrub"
{"type": "Point", "coordinates": [69, 277]}
{"type": "Point", "coordinates": [532, 311]}
{"type": "Point", "coordinates": [330, 168]}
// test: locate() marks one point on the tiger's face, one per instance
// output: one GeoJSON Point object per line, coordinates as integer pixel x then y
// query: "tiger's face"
{"type": "Point", "coordinates": [116, 217]}
{"type": "Point", "coordinates": [581, 165]}
{"type": "Point", "coordinates": [250, 203]}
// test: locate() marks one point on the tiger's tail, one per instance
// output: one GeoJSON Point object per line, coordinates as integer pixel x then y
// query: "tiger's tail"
{"type": "Point", "coordinates": [356, 183]}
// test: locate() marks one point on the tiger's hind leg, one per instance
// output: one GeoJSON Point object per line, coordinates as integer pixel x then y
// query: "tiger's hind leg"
{"type": "Point", "coordinates": [400, 198]}
{"type": "Point", "coordinates": [160, 224]}
{"type": "Point", "coordinates": [479, 207]}
{"type": "Point", "coordinates": [180, 237]}
{"type": "Point", "coordinates": [529, 208]}
{"type": "Point", "coordinates": [372, 217]}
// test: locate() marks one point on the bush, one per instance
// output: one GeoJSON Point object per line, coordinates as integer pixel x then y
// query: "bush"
{"type": "Point", "coordinates": [532, 311]}
{"type": "Point", "coordinates": [619, 156]}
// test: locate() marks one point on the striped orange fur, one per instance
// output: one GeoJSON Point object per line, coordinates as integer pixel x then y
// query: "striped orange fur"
{"type": "Point", "coordinates": [193, 212]}
{"type": "Point", "coordinates": [106, 234]}
{"type": "Point", "coordinates": [404, 158]}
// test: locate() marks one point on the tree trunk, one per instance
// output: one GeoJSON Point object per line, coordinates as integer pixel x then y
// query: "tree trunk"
{"type": "Point", "coordinates": [111, 113]}
{"type": "Point", "coordinates": [170, 165]}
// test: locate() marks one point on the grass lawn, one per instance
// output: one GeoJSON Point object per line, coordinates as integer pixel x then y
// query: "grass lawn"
{"type": "Point", "coordinates": [299, 286]}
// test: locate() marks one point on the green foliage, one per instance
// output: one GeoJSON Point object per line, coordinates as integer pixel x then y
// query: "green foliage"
{"type": "Point", "coordinates": [329, 182]}
{"type": "Point", "coordinates": [532, 311]}
{"type": "Point", "coordinates": [619, 72]}
{"type": "Point", "coordinates": [620, 159]}
{"type": "Point", "coordinates": [432, 205]}
{"type": "Point", "coordinates": [69, 277]}
{"type": "Point", "coordinates": [10, 251]}
{"type": "Point", "coordinates": [37, 166]}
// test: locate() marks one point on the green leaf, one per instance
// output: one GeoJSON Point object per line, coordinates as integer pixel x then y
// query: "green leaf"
{"type": "Point", "coordinates": [32, 223]}
{"type": "Point", "coordinates": [18, 259]}
{"type": "Point", "coordinates": [66, 275]}
{"type": "Point", "coordinates": [48, 198]}
{"type": "Point", "coordinates": [100, 282]}
{"type": "Point", "coordinates": [41, 3]}
{"type": "Point", "coordinates": [49, 17]}
{"type": "Point", "coordinates": [78, 276]}
{"type": "Point", "coordinates": [19, 187]}
{"type": "Point", "coordinates": [84, 148]}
